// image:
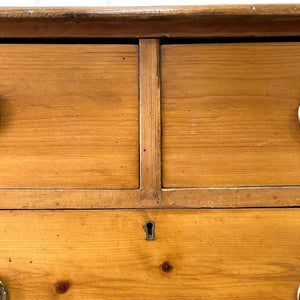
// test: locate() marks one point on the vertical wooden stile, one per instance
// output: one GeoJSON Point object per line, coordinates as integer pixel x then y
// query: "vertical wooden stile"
{"type": "Point", "coordinates": [150, 120]}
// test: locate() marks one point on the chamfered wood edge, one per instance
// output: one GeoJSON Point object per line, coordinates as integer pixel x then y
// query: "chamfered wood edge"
{"type": "Point", "coordinates": [151, 22]}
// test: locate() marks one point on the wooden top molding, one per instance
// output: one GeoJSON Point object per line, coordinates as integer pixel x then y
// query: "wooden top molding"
{"type": "Point", "coordinates": [143, 13]}
{"type": "Point", "coordinates": [139, 22]}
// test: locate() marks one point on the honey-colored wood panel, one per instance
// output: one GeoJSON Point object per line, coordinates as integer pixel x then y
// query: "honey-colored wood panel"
{"type": "Point", "coordinates": [69, 116]}
{"type": "Point", "coordinates": [197, 254]}
{"type": "Point", "coordinates": [230, 115]}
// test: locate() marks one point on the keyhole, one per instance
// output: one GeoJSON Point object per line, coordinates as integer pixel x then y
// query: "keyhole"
{"type": "Point", "coordinates": [149, 230]}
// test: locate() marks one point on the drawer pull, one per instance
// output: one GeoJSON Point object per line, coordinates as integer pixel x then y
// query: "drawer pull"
{"type": "Point", "coordinates": [3, 291]}
{"type": "Point", "coordinates": [299, 114]}
{"type": "Point", "coordinates": [298, 293]}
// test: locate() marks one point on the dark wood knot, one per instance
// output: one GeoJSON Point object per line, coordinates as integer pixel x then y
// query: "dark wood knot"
{"type": "Point", "coordinates": [166, 267]}
{"type": "Point", "coordinates": [62, 287]}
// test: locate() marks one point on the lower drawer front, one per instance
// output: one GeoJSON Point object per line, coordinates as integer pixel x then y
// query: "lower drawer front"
{"type": "Point", "coordinates": [197, 254]}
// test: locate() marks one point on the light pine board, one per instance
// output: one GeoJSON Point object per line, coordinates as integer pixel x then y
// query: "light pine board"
{"type": "Point", "coordinates": [150, 116]}
{"type": "Point", "coordinates": [230, 115]}
{"type": "Point", "coordinates": [210, 254]}
{"type": "Point", "coordinates": [69, 116]}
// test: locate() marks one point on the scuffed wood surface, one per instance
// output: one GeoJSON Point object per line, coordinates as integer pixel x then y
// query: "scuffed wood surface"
{"type": "Point", "coordinates": [230, 197]}
{"type": "Point", "coordinates": [145, 13]}
{"type": "Point", "coordinates": [171, 198]}
{"type": "Point", "coordinates": [155, 22]}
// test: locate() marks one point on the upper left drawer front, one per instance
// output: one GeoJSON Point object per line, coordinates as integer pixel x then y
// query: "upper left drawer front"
{"type": "Point", "coordinates": [69, 116]}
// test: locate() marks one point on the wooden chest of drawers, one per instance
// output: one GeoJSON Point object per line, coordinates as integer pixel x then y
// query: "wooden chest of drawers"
{"type": "Point", "coordinates": [150, 153]}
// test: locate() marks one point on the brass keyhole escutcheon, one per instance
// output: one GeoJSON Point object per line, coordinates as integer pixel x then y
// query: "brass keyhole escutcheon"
{"type": "Point", "coordinates": [3, 291]}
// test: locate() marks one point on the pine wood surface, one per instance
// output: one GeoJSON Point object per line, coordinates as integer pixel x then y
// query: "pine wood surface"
{"type": "Point", "coordinates": [197, 254]}
{"type": "Point", "coordinates": [81, 128]}
{"type": "Point", "coordinates": [229, 115]}
{"type": "Point", "coordinates": [150, 115]}
{"type": "Point", "coordinates": [69, 116]}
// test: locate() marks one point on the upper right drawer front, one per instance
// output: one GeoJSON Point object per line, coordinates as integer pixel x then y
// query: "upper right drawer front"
{"type": "Point", "coordinates": [229, 115]}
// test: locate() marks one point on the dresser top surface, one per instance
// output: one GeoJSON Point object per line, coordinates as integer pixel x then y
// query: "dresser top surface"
{"type": "Point", "coordinates": [75, 14]}
{"type": "Point", "coordinates": [151, 22]}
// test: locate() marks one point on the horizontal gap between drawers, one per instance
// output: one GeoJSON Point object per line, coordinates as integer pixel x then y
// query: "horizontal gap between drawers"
{"type": "Point", "coordinates": [237, 40]}
{"type": "Point", "coordinates": [163, 187]}
{"type": "Point", "coordinates": [229, 187]}
{"type": "Point", "coordinates": [135, 41]}
{"type": "Point", "coordinates": [68, 41]}
{"type": "Point", "coordinates": [68, 189]}
{"type": "Point", "coordinates": [150, 208]}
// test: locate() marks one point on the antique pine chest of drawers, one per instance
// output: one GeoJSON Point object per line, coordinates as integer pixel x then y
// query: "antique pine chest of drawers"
{"type": "Point", "coordinates": [150, 153]}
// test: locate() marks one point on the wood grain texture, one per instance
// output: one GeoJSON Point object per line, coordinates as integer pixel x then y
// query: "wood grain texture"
{"type": "Point", "coordinates": [155, 22]}
{"type": "Point", "coordinates": [230, 197]}
{"type": "Point", "coordinates": [171, 198]}
{"type": "Point", "coordinates": [69, 116]}
{"type": "Point", "coordinates": [230, 115]}
{"type": "Point", "coordinates": [150, 115]}
{"type": "Point", "coordinates": [75, 199]}
{"type": "Point", "coordinates": [75, 14]}
{"type": "Point", "coordinates": [205, 254]}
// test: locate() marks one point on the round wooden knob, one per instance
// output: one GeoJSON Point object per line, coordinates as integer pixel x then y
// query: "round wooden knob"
{"type": "Point", "coordinates": [3, 291]}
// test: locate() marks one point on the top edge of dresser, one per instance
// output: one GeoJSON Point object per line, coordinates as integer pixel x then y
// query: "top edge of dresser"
{"type": "Point", "coordinates": [144, 13]}
{"type": "Point", "coordinates": [212, 21]}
